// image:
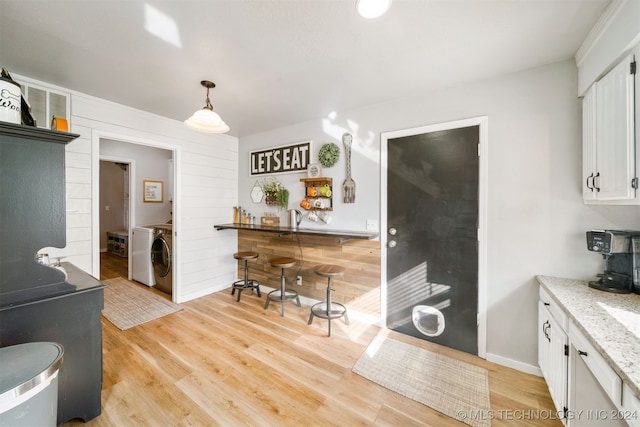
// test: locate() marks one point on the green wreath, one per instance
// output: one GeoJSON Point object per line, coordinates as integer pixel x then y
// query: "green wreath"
{"type": "Point", "coordinates": [329, 154]}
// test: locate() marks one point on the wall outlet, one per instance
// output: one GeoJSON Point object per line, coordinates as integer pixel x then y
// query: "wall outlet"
{"type": "Point", "coordinates": [372, 225]}
{"type": "Point", "coordinates": [299, 280]}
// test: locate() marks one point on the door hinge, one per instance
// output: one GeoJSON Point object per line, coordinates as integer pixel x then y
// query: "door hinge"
{"type": "Point", "coordinates": [632, 68]}
{"type": "Point", "coordinates": [478, 149]}
{"type": "Point", "coordinates": [565, 411]}
{"type": "Point", "coordinates": [566, 350]}
{"type": "Point", "coordinates": [634, 183]}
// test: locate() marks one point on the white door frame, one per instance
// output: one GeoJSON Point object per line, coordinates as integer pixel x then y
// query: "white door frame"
{"type": "Point", "coordinates": [482, 122]}
{"type": "Point", "coordinates": [95, 198]}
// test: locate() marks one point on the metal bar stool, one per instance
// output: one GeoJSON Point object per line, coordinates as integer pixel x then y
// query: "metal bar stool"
{"type": "Point", "coordinates": [281, 295]}
{"type": "Point", "coordinates": [327, 309]}
{"type": "Point", "coordinates": [246, 283]}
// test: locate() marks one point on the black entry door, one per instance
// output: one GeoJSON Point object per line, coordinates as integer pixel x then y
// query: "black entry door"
{"type": "Point", "coordinates": [432, 219]}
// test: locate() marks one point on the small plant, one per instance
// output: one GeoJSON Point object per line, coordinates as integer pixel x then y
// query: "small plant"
{"type": "Point", "coordinates": [274, 193]}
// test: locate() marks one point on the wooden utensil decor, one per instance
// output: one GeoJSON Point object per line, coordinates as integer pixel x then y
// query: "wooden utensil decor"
{"type": "Point", "coordinates": [349, 185]}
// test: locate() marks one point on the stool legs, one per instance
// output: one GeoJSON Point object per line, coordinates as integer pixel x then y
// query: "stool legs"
{"type": "Point", "coordinates": [281, 295]}
{"type": "Point", "coordinates": [329, 310]}
{"type": "Point", "coordinates": [242, 285]}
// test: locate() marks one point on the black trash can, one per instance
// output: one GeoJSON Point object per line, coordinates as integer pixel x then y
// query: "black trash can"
{"type": "Point", "coordinates": [29, 384]}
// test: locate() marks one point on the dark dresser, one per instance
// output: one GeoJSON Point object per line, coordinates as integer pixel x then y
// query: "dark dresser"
{"type": "Point", "coordinates": [39, 302]}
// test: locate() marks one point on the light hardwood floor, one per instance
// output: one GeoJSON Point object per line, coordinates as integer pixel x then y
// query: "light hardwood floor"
{"type": "Point", "coordinates": [223, 363]}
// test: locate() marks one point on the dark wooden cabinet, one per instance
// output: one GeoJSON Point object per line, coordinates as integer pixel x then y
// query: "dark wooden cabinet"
{"type": "Point", "coordinates": [39, 302]}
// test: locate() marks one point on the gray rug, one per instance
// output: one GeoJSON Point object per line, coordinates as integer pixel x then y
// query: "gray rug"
{"type": "Point", "coordinates": [126, 305]}
{"type": "Point", "coordinates": [454, 388]}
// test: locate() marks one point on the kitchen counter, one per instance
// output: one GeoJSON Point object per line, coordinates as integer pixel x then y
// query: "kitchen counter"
{"type": "Point", "coordinates": [610, 321]}
{"type": "Point", "coordinates": [341, 234]}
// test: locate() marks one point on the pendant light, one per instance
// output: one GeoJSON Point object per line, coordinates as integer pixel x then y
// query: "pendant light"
{"type": "Point", "coordinates": [372, 8]}
{"type": "Point", "coordinates": [206, 120]}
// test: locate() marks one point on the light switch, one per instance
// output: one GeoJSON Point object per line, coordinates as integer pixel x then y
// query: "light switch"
{"type": "Point", "coordinates": [372, 225]}
{"type": "Point", "coordinates": [106, 207]}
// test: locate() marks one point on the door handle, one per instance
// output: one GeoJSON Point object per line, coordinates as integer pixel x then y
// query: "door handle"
{"type": "Point", "coordinates": [597, 187]}
{"type": "Point", "coordinates": [590, 177]}
{"type": "Point", "coordinates": [392, 243]}
{"type": "Point", "coordinates": [393, 231]}
{"type": "Point", "coordinates": [545, 327]}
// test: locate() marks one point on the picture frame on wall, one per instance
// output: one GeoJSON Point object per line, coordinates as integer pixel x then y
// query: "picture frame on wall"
{"type": "Point", "coordinates": [314, 170]}
{"type": "Point", "coordinates": [153, 191]}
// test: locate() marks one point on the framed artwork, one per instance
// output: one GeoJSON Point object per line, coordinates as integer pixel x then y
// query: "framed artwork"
{"type": "Point", "coordinates": [153, 191]}
{"type": "Point", "coordinates": [314, 171]}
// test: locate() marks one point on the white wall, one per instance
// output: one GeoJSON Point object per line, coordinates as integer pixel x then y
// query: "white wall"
{"type": "Point", "coordinates": [536, 218]}
{"type": "Point", "coordinates": [150, 164]}
{"type": "Point", "coordinates": [206, 183]}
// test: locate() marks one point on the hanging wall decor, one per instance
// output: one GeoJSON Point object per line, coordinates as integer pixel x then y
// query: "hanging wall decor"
{"type": "Point", "coordinates": [329, 154]}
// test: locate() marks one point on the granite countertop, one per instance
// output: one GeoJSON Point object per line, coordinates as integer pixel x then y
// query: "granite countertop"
{"type": "Point", "coordinates": [610, 321]}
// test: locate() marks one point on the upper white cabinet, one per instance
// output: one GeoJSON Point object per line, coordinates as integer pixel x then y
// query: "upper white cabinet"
{"type": "Point", "coordinates": [610, 155]}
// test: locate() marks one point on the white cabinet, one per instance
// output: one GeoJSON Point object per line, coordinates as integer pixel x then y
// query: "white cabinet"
{"type": "Point", "coordinates": [595, 390]}
{"type": "Point", "coordinates": [610, 156]}
{"type": "Point", "coordinates": [584, 388]}
{"type": "Point", "coordinates": [552, 358]}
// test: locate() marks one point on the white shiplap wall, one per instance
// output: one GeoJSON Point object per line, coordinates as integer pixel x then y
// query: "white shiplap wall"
{"type": "Point", "coordinates": [206, 190]}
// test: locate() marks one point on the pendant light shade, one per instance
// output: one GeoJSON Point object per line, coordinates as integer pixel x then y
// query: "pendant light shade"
{"type": "Point", "coordinates": [206, 120]}
{"type": "Point", "coordinates": [372, 8]}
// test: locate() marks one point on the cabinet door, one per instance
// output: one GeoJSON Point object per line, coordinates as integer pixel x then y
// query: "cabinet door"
{"type": "Point", "coordinates": [615, 152]}
{"type": "Point", "coordinates": [589, 169]}
{"type": "Point", "coordinates": [551, 356]}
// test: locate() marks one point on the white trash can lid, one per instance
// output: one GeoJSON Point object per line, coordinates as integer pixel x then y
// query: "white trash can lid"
{"type": "Point", "coordinates": [26, 367]}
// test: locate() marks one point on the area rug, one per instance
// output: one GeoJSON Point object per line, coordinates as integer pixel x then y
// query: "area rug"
{"type": "Point", "coordinates": [126, 305]}
{"type": "Point", "coordinates": [454, 388]}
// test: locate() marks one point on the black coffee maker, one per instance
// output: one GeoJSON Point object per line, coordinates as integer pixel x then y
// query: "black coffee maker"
{"type": "Point", "coordinates": [619, 250]}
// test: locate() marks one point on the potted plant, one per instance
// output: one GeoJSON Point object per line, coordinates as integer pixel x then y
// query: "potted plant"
{"type": "Point", "coordinates": [275, 194]}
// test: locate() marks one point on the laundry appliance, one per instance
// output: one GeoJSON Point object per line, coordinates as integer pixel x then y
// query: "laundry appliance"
{"type": "Point", "coordinates": [141, 268]}
{"type": "Point", "coordinates": [161, 257]}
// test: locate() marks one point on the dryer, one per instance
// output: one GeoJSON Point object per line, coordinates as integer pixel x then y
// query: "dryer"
{"type": "Point", "coordinates": [161, 253]}
{"type": "Point", "coordinates": [141, 268]}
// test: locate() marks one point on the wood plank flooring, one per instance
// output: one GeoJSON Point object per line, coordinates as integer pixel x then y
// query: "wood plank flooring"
{"type": "Point", "coordinates": [223, 363]}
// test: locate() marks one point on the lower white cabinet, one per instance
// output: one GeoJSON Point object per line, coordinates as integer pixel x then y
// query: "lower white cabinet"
{"type": "Point", "coordinates": [595, 390]}
{"type": "Point", "coordinates": [584, 388]}
{"type": "Point", "coordinates": [552, 345]}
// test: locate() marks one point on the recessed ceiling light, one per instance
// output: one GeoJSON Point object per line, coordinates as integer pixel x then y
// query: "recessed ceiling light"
{"type": "Point", "coordinates": [372, 8]}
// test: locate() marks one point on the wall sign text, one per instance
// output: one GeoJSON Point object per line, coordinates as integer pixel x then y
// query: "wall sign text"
{"type": "Point", "coordinates": [287, 158]}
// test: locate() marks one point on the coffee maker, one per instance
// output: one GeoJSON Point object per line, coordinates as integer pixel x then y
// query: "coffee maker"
{"type": "Point", "coordinates": [621, 252]}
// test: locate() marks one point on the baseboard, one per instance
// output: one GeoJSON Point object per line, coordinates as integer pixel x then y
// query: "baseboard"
{"type": "Point", "coordinates": [510, 363]}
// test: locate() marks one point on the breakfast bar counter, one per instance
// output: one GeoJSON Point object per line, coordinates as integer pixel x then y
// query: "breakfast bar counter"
{"type": "Point", "coordinates": [282, 231]}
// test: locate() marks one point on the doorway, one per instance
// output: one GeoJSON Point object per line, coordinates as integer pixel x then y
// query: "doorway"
{"type": "Point", "coordinates": [431, 216]}
{"type": "Point", "coordinates": [114, 217]}
{"type": "Point", "coordinates": [149, 162]}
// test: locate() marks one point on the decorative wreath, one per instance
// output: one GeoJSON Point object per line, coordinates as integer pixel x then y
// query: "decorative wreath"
{"type": "Point", "coordinates": [329, 154]}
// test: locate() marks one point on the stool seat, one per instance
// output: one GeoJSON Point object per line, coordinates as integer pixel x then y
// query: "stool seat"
{"type": "Point", "coordinates": [245, 255]}
{"type": "Point", "coordinates": [282, 262]}
{"type": "Point", "coordinates": [281, 295]}
{"type": "Point", "coordinates": [329, 270]}
{"type": "Point", "coordinates": [327, 309]}
{"type": "Point", "coordinates": [246, 283]}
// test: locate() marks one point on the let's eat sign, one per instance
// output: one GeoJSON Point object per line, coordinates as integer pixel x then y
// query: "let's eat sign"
{"type": "Point", "coordinates": [286, 158]}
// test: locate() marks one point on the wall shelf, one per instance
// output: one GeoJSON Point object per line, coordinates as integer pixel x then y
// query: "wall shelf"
{"type": "Point", "coordinates": [318, 183]}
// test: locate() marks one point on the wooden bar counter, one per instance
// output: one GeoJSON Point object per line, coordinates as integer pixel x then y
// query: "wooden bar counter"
{"type": "Point", "coordinates": [357, 252]}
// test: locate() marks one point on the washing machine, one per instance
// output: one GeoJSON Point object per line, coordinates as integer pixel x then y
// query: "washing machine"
{"type": "Point", "coordinates": [141, 267]}
{"type": "Point", "coordinates": [161, 252]}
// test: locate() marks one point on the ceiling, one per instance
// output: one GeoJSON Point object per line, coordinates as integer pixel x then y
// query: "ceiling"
{"type": "Point", "coordinates": [280, 62]}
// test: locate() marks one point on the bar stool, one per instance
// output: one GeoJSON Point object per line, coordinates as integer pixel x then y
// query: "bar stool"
{"type": "Point", "coordinates": [281, 295]}
{"type": "Point", "coordinates": [327, 309]}
{"type": "Point", "coordinates": [246, 283]}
